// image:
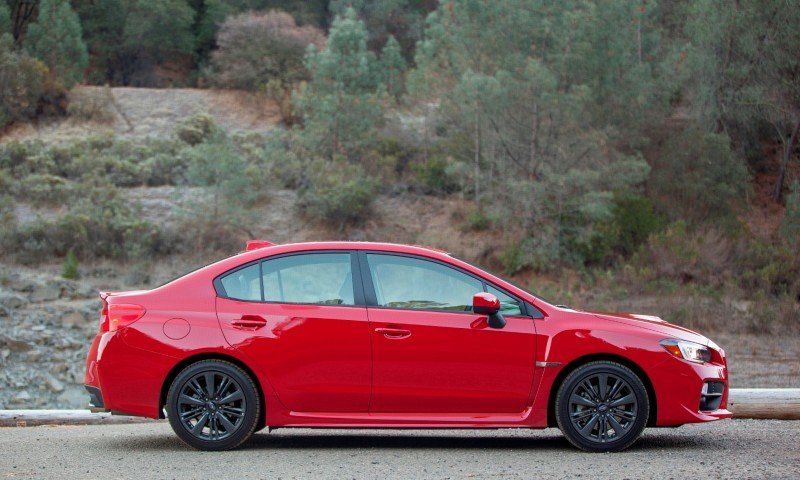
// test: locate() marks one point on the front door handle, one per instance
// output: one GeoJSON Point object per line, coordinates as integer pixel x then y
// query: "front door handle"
{"type": "Point", "coordinates": [393, 333]}
{"type": "Point", "coordinates": [249, 322]}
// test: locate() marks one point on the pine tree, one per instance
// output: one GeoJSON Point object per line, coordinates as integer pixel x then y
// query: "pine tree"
{"type": "Point", "coordinates": [342, 105]}
{"type": "Point", "coordinates": [56, 39]}
{"type": "Point", "coordinates": [392, 67]}
{"type": "Point", "coordinates": [5, 18]}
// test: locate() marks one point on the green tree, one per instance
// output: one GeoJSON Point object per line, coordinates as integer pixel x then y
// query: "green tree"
{"type": "Point", "coordinates": [22, 80]}
{"type": "Point", "coordinates": [513, 107]}
{"type": "Point", "coordinates": [5, 18]}
{"type": "Point", "coordinates": [392, 66]}
{"type": "Point", "coordinates": [747, 69]}
{"type": "Point", "coordinates": [127, 39]}
{"type": "Point", "coordinates": [342, 104]}
{"type": "Point", "coordinates": [56, 39]}
{"type": "Point", "coordinates": [402, 19]}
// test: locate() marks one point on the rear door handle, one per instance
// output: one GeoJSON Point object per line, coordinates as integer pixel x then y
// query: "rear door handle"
{"type": "Point", "coordinates": [393, 333]}
{"type": "Point", "coordinates": [249, 322]}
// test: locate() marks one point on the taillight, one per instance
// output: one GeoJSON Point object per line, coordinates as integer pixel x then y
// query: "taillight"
{"type": "Point", "coordinates": [122, 314]}
{"type": "Point", "coordinates": [104, 314]}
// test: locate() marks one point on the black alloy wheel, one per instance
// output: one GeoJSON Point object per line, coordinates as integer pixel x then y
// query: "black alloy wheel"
{"type": "Point", "coordinates": [602, 407]}
{"type": "Point", "coordinates": [213, 405]}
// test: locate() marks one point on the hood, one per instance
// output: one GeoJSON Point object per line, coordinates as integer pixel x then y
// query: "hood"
{"type": "Point", "coordinates": [656, 324]}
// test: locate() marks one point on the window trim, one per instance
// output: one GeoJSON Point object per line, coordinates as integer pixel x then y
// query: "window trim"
{"type": "Point", "coordinates": [372, 300]}
{"type": "Point", "coordinates": [358, 288]}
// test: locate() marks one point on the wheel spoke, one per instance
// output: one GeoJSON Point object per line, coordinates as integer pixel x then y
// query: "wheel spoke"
{"type": "Point", "coordinates": [198, 427]}
{"type": "Point", "coordinates": [223, 385]}
{"type": "Point", "coordinates": [602, 386]}
{"type": "Point", "coordinates": [195, 385]}
{"type": "Point", "coordinates": [625, 415]}
{"type": "Point", "coordinates": [576, 399]}
{"type": "Point", "coordinates": [189, 400]}
{"type": "Point", "coordinates": [590, 390]}
{"type": "Point", "coordinates": [237, 395]}
{"type": "Point", "coordinates": [627, 399]}
{"type": "Point", "coordinates": [229, 427]}
{"type": "Point", "coordinates": [618, 429]}
{"type": "Point", "coordinates": [209, 376]}
{"type": "Point", "coordinates": [580, 415]}
{"type": "Point", "coordinates": [589, 425]}
{"type": "Point", "coordinates": [236, 412]}
{"type": "Point", "coordinates": [615, 389]}
{"type": "Point", "coordinates": [190, 414]}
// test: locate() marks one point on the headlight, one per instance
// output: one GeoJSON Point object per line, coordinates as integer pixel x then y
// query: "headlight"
{"type": "Point", "coordinates": [693, 352]}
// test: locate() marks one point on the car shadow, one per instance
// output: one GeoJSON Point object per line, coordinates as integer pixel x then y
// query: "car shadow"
{"type": "Point", "coordinates": [283, 439]}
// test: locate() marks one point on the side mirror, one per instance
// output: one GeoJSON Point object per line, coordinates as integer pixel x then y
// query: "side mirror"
{"type": "Point", "coordinates": [487, 304]}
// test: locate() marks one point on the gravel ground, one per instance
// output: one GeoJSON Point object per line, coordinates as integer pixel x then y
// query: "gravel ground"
{"type": "Point", "coordinates": [727, 449]}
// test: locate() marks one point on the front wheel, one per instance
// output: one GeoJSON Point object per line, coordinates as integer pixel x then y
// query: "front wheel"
{"type": "Point", "coordinates": [602, 407]}
{"type": "Point", "coordinates": [213, 405]}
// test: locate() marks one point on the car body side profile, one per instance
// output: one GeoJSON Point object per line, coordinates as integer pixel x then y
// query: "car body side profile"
{"type": "Point", "coordinates": [378, 335]}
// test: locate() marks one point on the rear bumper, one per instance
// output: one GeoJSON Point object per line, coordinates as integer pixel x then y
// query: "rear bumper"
{"type": "Point", "coordinates": [124, 379]}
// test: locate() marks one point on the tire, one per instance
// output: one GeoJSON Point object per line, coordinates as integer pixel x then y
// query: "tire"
{"type": "Point", "coordinates": [588, 414]}
{"type": "Point", "coordinates": [225, 424]}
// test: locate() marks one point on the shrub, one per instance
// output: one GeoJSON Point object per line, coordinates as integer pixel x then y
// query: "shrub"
{"type": "Point", "coordinates": [477, 219]}
{"type": "Point", "coordinates": [703, 255]}
{"type": "Point", "coordinates": [70, 270]}
{"type": "Point", "coordinates": [196, 129]}
{"type": "Point", "coordinates": [100, 224]}
{"type": "Point", "coordinates": [92, 104]}
{"type": "Point", "coordinates": [257, 47]}
{"type": "Point", "coordinates": [44, 189]}
{"type": "Point", "coordinates": [698, 176]}
{"type": "Point", "coordinates": [338, 193]}
{"type": "Point", "coordinates": [22, 83]}
{"type": "Point", "coordinates": [435, 174]}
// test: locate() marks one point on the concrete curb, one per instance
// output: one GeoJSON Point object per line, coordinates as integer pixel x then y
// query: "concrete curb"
{"type": "Point", "coordinates": [758, 403]}
{"type": "Point", "coordinates": [31, 418]}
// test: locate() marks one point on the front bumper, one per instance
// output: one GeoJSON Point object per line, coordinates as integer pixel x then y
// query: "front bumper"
{"type": "Point", "coordinates": [688, 392]}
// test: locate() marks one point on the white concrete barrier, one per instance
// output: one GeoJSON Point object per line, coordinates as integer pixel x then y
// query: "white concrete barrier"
{"type": "Point", "coordinates": [765, 403]}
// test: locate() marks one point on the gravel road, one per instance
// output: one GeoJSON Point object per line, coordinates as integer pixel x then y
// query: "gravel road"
{"type": "Point", "coordinates": [728, 449]}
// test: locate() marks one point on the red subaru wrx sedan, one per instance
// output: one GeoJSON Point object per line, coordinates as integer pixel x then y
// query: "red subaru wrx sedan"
{"type": "Point", "coordinates": [357, 334]}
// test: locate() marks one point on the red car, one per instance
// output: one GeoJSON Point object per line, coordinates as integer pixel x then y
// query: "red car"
{"type": "Point", "coordinates": [346, 334]}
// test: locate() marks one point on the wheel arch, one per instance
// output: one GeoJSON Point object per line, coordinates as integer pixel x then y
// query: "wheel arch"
{"type": "Point", "coordinates": [177, 368]}
{"type": "Point", "coordinates": [578, 362]}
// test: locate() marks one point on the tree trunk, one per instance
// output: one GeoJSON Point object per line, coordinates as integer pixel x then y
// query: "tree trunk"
{"type": "Point", "coordinates": [787, 155]}
{"type": "Point", "coordinates": [477, 157]}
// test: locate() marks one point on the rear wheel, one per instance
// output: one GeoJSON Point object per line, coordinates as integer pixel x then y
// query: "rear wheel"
{"type": "Point", "coordinates": [213, 405]}
{"type": "Point", "coordinates": [602, 407]}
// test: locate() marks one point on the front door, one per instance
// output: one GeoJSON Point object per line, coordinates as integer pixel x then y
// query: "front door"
{"type": "Point", "coordinates": [298, 320]}
{"type": "Point", "coordinates": [431, 354]}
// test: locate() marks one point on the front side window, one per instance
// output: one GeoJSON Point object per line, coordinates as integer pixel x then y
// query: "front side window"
{"type": "Point", "coordinates": [412, 283]}
{"type": "Point", "coordinates": [508, 305]}
{"type": "Point", "coordinates": [319, 278]}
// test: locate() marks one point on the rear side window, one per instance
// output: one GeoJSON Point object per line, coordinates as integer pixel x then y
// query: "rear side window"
{"type": "Point", "coordinates": [314, 278]}
{"type": "Point", "coordinates": [320, 278]}
{"type": "Point", "coordinates": [243, 284]}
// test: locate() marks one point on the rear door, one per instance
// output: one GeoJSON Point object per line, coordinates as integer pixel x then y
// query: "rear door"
{"type": "Point", "coordinates": [432, 354]}
{"type": "Point", "coordinates": [301, 321]}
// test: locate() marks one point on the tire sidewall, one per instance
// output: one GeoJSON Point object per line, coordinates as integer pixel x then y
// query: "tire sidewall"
{"type": "Point", "coordinates": [577, 376]}
{"type": "Point", "coordinates": [252, 405]}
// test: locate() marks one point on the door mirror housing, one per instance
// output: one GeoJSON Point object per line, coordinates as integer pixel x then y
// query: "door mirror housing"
{"type": "Point", "coordinates": [487, 304]}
